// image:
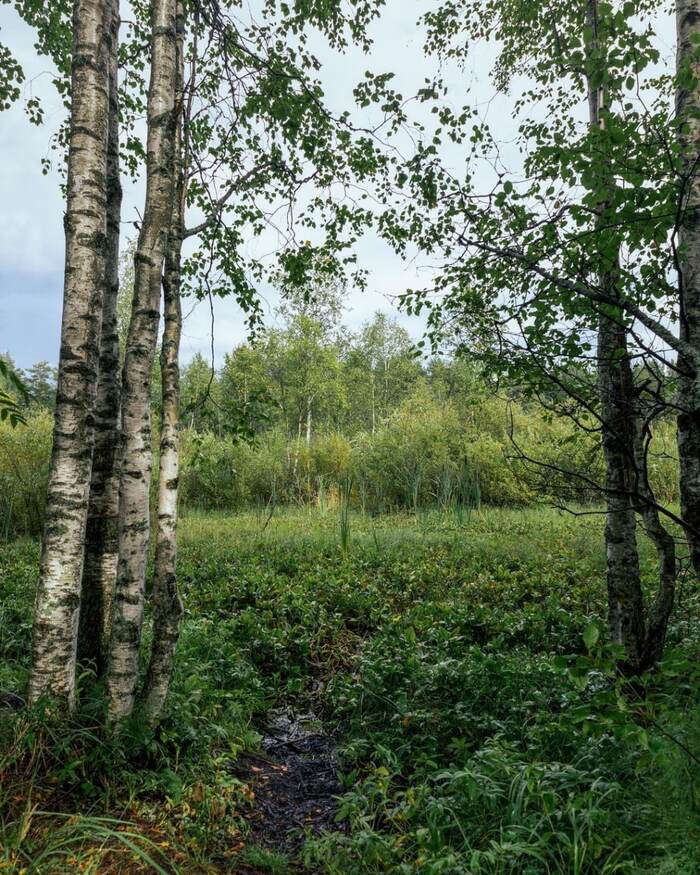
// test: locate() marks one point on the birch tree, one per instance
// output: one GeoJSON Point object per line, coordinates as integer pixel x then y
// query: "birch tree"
{"type": "Point", "coordinates": [563, 259]}
{"type": "Point", "coordinates": [618, 419]}
{"type": "Point", "coordinates": [167, 604]}
{"type": "Point", "coordinates": [58, 595]}
{"type": "Point", "coordinates": [283, 138]}
{"type": "Point", "coordinates": [251, 117]}
{"type": "Point", "coordinates": [688, 265]}
{"type": "Point", "coordinates": [102, 536]}
{"type": "Point", "coordinates": [134, 512]}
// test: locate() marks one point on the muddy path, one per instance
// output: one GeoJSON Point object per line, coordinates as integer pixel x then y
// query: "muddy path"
{"type": "Point", "coordinates": [295, 781]}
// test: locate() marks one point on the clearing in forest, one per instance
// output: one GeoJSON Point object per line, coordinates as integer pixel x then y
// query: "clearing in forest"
{"type": "Point", "coordinates": [434, 655]}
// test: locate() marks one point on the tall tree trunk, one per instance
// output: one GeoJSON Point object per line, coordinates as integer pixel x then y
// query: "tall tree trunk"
{"type": "Point", "coordinates": [295, 463]}
{"type": "Point", "coordinates": [56, 613]}
{"type": "Point", "coordinates": [625, 603]}
{"type": "Point", "coordinates": [167, 605]}
{"type": "Point", "coordinates": [688, 115]}
{"type": "Point", "coordinates": [617, 407]}
{"type": "Point", "coordinates": [102, 531]}
{"type": "Point", "coordinates": [643, 637]}
{"type": "Point", "coordinates": [134, 515]}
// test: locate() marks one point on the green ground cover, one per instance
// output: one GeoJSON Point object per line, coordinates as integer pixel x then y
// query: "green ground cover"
{"type": "Point", "coordinates": [455, 658]}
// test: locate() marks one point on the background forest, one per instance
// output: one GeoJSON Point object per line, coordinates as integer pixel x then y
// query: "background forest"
{"type": "Point", "coordinates": [311, 409]}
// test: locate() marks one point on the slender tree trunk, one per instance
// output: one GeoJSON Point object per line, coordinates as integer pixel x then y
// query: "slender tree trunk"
{"type": "Point", "coordinates": [56, 614]}
{"type": "Point", "coordinates": [662, 606]}
{"type": "Point", "coordinates": [688, 114]}
{"type": "Point", "coordinates": [643, 637]}
{"type": "Point", "coordinates": [618, 423]}
{"type": "Point", "coordinates": [309, 404]}
{"type": "Point", "coordinates": [102, 532]}
{"type": "Point", "coordinates": [134, 515]}
{"type": "Point", "coordinates": [295, 463]}
{"type": "Point", "coordinates": [167, 605]}
{"type": "Point", "coordinates": [625, 603]}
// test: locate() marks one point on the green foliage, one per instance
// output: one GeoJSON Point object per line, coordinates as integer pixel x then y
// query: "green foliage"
{"type": "Point", "coordinates": [11, 386]}
{"type": "Point", "coordinates": [52, 25]}
{"type": "Point", "coordinates": [266, 860]}
{"type": "Point", "coordinates": [431, 453]}
{"type": "Point", "coordinates": [24, 469]}
{"type": "Point", "coordinates": [481, 726]}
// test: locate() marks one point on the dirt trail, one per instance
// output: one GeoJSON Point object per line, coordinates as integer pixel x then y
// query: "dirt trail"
{"type": "Point", "coordinates": [295, 780]}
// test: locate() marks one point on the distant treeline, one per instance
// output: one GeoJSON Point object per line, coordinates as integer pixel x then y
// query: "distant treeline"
{"type": "Point", "coordinates": [311, 410]}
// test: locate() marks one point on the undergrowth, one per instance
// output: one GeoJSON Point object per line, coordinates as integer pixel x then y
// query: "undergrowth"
{"type": "Point", "coordinates": [457, 661]}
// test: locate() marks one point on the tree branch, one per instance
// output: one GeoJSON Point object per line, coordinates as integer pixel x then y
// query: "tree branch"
{"type": "Point", "coordinates": [658, 328]}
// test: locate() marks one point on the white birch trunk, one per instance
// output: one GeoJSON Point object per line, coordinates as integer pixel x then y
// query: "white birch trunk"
{"type": "Point", "coordinates": [56, 613]}
{"type": "Point", "coordinates": [688, 114]}
{"type": "Point", "coordinates": [167, 605]}
{"type": "Point", "coordinates": [102, 532]}
{"type": "Point", "coordinates": [134, 515]}
{"type": "Point", "coordinates": [618, 424]}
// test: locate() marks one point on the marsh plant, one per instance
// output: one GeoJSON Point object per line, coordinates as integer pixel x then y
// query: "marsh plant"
{"type": "Point", "coordinates": [345, 492]}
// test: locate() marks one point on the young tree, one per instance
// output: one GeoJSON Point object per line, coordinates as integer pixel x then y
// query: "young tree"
{"type": "Point", "coordinates": [12, 392]}
{"type": "Point", "coordinates": [134, 513]}
{"type": "Point", "coordinates": [247, 404]}
{"type": "Point", "coordinates": [40, 381]}
{"type": "Point", "coordinates": [201, 396]}
{"type": "Point", "coordinates": [384, 356]}
{"type": "Point", "coordinates": [58, 595]}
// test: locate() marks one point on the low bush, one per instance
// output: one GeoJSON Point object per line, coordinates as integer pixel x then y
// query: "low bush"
{"type": "Point", "coordinates": [428, 454]}
{"type": "Point", "coordinates": [25, 452]}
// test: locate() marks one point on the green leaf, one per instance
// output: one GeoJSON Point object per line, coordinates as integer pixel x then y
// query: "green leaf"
{"type": "Point", "coordinates": [591, 634]}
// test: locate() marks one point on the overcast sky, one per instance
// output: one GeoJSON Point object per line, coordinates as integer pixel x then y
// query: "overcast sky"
{"type": "Point", "coordinates": [31, 207]}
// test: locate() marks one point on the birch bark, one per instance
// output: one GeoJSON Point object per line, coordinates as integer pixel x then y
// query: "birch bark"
{"type": "Point", "coordinates": [618, 422]}
{"type": "Point", "coordinates": [102, 532]}
{"type": "Point", "coordinates": [134, 514]}
{"type": "Point", "coordinates": [625, 604]}
{"type": "Point", "coordinates": [167, 605]}
{"type": "Point", "coordinates": [688, 115]}
{"type": "Point", "coordinates": [56, 613]}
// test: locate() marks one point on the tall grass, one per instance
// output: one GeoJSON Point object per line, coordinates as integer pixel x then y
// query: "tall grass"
{"type": "Point", "coordinates": [78, 843]}
{"type": "Point", "coordinates": [345, 488]}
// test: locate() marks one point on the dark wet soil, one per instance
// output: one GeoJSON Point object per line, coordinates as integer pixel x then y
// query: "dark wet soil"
{"type": "Point", "coordinates": [295, 780]}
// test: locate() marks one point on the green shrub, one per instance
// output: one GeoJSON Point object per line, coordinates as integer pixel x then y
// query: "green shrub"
{"type": "Point", "coordinates": [24, 470]}
{"type": "Point", "coordinates": [429, 454]}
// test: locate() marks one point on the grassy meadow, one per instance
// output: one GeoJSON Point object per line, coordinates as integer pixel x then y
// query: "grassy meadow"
{"type": "Point", "coordinates": [454, 659]}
